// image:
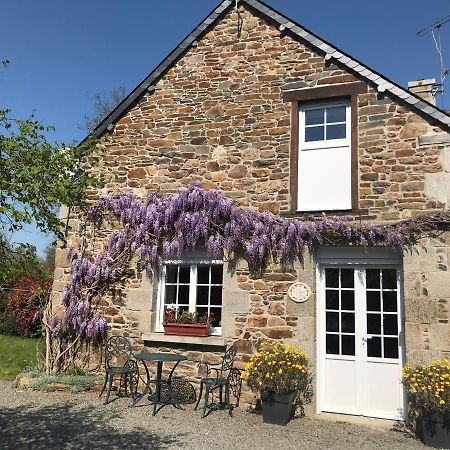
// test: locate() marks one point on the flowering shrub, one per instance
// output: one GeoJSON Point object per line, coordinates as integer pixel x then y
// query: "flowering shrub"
{"type": "Point", "coordinates": [173, 316]}
{"type": "Point", "coordinates": [26, 302]}
{"type": "Point", "coordinates": [428, 386]}
{"type": "Point", "coordinates": [149, 230]}
{"type": "Point", "coordinates": [278, 367]}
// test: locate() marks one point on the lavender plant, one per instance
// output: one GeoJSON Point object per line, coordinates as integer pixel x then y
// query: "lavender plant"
{"type": "Point", "coordinates": [161, 226]}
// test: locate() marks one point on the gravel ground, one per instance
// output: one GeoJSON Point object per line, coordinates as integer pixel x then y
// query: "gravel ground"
{"type": "Point", "coordinates": [62, 420]}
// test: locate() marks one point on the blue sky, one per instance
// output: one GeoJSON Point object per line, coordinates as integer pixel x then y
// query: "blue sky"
{"type": "Point", "coordinates": [63, 52]}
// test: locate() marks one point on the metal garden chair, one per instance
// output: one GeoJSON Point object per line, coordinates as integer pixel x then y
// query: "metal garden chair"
{"type": "Point", "coordinates": [119, 361]}
{"type": "Point", "coordinates": [226, 377]}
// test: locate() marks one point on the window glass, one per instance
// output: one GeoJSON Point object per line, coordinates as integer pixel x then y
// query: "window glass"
{"type": "Point", "coordinates": [216, 295]}
{"type": "Point", "coordinates": [374, 323]}
{"type": "Point", "coordinates": [373, 301]}
{"type": "Point", "coordinates": [172, 273]}
{"type": "Point", "coordinates": [332, 278]}
{"type": "Point", "coordinates": [347, 278]}
{"type": "Point", "coordinates": [171, 294]}
{"type": "Point", "coordinates": [348, 300]}
{"type": "Point", "coordinates": [314, 116]}
{"type": "Point", "coordinates": [314, 134]}
{"type": "Point", "coordinates": [390, 325]}
{"type": "Point", "coordinates": [336, 131]}
{"type": "Point", "coordinates": [374, 347]}
{"type": "Point", "coordinates": [347, 322]}
{"type": "Point", "coordinates": [332, 299]}
{"type": "Point", "coordinates": [390, 301]}
{"type": "Point", "coordinates": [184, 274]}
{"type": "Point", "coordinates": [325, 123]}
{"type": "Point", "coordinates": [336, 114]}
{"type": "Point", "coordinates": [373, 279]}
{"type": "Point", "coordinates": [332, 344]}
{"type": "Point", "coordinates": [202, 295]}
{"type": "Point", "coordinates": [203, 274]}
{"type": "Point", "coordinates": [348, 344]}
{"type": "Point", "coordinates": [391, 347]}
{"type": "Point", "coordinates": [389, 279]}
{"type": "Point", "coordinates": [332, 321]}
{"type": "Point", "coordinates": [217, 274]}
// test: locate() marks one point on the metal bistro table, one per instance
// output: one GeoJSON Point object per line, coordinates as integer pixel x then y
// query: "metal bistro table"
{"type": "Point", "coordinates": [159, 358]}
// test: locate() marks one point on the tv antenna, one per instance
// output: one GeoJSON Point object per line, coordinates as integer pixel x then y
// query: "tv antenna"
{"type": "Point", "coordinates": [435, 30]}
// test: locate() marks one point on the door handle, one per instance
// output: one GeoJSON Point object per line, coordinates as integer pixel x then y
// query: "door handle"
{"type": "Point", "coordinates": [366, 338]}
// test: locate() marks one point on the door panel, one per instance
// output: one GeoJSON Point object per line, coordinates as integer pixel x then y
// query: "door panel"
{"type": "Point", "coordinates": [340, 386]}
{"type": "Point", "coordinates": [383, 393]}
{"type": "Point", "coordinates": [361, 348]}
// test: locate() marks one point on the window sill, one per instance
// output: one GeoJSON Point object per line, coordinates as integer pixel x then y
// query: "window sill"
{"type": "Point", "coordinates": [214, 341]}
{"type": "Point", "coordinates": [361, 213]}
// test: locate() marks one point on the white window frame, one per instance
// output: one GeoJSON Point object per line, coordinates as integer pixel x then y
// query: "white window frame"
{"type": "Point", "coordinates": [344, 143]}
{"type": "Point", "coordinates": [193, 263]}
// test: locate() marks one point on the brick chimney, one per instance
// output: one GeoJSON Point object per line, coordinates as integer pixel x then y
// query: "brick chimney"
{"type": "Point", "coordinates": [424, 88]}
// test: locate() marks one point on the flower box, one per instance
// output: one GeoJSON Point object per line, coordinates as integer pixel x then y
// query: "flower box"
{"type": "Point", "coordinates": [186, 329]}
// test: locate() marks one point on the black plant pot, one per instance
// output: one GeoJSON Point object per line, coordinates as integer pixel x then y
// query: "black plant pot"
{"type": "Point", "coordinates": [436, 430]}
{"type": "Point", "coordinates": [277, 408]}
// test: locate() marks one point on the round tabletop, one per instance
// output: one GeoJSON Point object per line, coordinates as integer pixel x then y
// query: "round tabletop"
{"type": "Point", "coordinates": [160, 357]}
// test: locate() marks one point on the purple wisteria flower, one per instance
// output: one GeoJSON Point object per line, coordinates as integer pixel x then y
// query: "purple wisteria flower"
{"type": "Point", "coordinates": [161, 226]}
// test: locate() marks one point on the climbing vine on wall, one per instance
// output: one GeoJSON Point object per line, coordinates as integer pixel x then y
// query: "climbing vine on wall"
{"type": "Point", "coordinates": [149, 230]}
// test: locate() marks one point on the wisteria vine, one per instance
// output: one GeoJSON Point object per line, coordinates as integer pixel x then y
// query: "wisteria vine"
{"type": "Point", "coordinates": [173, 226]}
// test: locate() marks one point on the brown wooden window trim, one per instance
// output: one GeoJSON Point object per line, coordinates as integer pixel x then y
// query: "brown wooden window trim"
{"type": "Point", "coordinates": [324, 93]}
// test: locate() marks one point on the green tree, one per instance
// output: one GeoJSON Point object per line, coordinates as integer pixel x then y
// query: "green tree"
{"type": "Point", "coordinates": [37, 176]}
{"type": "Point", "coordinates": [104, 103]}
{"type": "Point", "coordinates": [49, 257]}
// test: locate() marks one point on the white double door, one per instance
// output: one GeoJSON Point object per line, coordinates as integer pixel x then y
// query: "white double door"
{"type": "Point", "coordinates": [360, 339]}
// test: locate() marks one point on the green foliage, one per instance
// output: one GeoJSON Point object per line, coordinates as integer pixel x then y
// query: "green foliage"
{"type": "Point", "coordinates": [37, 176]}
{"type": "Point", "coordinates": [40, 381]}
{"type": "Point", "coordinates": [17, 354]}
{"type": "Point", "coordinates": [49, 257]}
{"type": "Point", "coordinates": [76, 371]}
{"type": "Point", "coordinates": [175, 316]}
{"type": "Point", "coordinates": [16, 262]}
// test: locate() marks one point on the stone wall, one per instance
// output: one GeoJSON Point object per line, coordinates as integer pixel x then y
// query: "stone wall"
{"type": "Point", "coordinates": [218, 116]}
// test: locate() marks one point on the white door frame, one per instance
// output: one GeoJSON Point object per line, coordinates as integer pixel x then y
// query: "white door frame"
{"type": "Point", "coordinates": [356, 258]}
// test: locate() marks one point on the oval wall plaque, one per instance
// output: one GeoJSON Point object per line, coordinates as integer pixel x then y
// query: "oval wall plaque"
{"type": "Point", "coordinates": [299, 292]}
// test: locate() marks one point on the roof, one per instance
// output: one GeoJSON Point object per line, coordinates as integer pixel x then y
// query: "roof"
{"type": "Point", "coordinates": [381, 83]}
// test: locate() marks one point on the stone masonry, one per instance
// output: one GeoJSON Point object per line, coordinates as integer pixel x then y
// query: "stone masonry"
{"type": "Point", "coordinates": [218, 116]}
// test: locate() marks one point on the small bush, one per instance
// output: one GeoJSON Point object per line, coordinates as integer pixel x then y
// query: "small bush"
{"type": "Point", "coordinates": [25, 303]}
{"type": "Point", "coordinates": [8, 323]}
{"type": "Point", "coordinates": [428, 386]}
{"type": "Point", "coordinates": [40, 381]}
{"type": "Point", "coordinates": [76, 370]}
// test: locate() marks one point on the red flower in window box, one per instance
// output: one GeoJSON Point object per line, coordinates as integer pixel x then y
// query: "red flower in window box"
{"type": "Point", "coordinates": [186, 323]}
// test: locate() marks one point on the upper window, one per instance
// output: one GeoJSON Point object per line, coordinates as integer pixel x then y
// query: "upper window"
{"type": "Point", "coordinates": [194, 286]}
{"type": "Point", "coordinates": [324, 157]}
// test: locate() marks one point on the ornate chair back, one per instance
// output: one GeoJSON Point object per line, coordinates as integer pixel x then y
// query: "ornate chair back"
{"type": "Point", "coordinates": [228, 360]}
{"type": "Point", "coordinates": [117, 352]}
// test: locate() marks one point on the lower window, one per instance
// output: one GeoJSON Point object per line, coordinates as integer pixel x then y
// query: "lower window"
{"type": "Point", "coordinates": [192, 286]}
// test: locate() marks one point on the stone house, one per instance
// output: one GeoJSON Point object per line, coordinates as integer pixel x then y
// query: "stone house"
{"type": "Point", "coordinates": [255, 105]}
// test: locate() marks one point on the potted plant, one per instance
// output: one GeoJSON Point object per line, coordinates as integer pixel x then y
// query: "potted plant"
{"type": "Point", "coordinates": [428, 389]}
{"type": "Point", "coordinates": [279, 372]}
{"type": "Point", "coordinates": [186, 323]}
